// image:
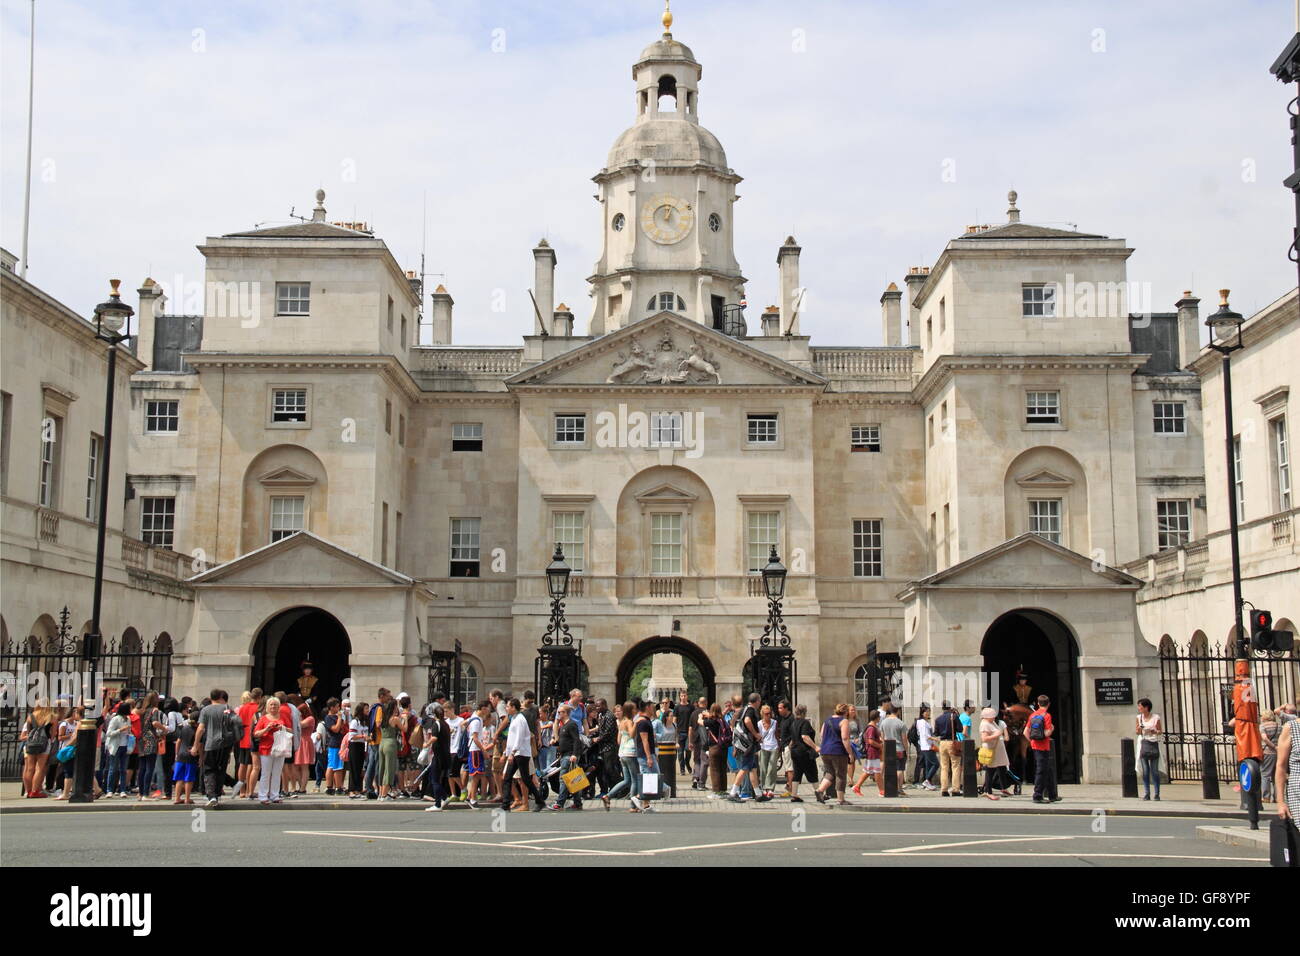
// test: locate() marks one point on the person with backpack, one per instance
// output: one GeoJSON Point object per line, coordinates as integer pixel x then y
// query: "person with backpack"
{"type": "Point", "coordinates": [37, 735]}
{"type": "Point", "coordinates": [947, 727]}
{"type": "Point", "coordinates": [218, 732]}
{"type": "Point", "coordinates": [745, 737]}
{"type": "Point", "coordinates": [1039, 730]}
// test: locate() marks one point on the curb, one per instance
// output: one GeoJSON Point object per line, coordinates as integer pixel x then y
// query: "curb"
{"type": "Point", "coordinates": [1234, 836]}
{"type": "Point", "coordinates": [980, 807]}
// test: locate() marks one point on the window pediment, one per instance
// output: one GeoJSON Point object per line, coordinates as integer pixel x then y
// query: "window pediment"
{"type": "Point", "coordinates": [1044, 479]}
{"type": "Point", "coordinates": [286, 478]}
{"type": "Point", "coordinates": [667, 494]}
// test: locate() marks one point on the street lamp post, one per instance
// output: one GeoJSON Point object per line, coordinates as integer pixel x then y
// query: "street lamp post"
{"type": "Point", "coordinates": [771, 662]}
{"type": "Point", "coordinates": [111, 326]}
{"type": "Point", "coordinates": [1225, 338]}
{"type": "Point", "coordinates": [557, 583]}
{"type": "Point", "coordinates": [774, 632]}
{"type": "Point", "coordinates": [559, 660]}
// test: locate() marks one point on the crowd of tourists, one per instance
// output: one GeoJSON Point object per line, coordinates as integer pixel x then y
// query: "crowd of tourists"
{"type": "Point", "coordinates": [512, 752]}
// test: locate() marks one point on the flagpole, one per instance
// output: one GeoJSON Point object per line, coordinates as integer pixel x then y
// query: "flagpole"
{"type": "Point", "coordinates": [27, 193]}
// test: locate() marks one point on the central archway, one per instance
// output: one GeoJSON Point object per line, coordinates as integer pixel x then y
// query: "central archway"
{"type": "Point", "coordinates": [1043, 645]}
{"type": "Point", "coordinates": [293, 637]}
{"type": "Point", "coordinates": [643, 650]}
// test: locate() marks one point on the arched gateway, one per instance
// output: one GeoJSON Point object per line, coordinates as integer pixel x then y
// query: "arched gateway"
{"type": "Point", "coordinates": [644, 650]}
{"type": "Point", "coordinates": [294, 638]}
{"type": "Point", "coordinates": [1041, 646]}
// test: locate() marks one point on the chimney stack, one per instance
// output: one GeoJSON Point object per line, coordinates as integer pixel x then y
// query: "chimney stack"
{"type": "Point", "coordinates": [787, 261]}
{"type": "Point", "coordinates": [891, 315]}
{"type": "Point", "coordinates": [152, 301]}
{"type": "Point", "coordinates": [440, 309]}
{"type": "Point", "coordinates": [543, 284]}
{"type": "Point", "coordinates": [771, 321]}
{"type": "Point", "coordinates": [562, 321]}
{"type": "Point", "coordinates": [1189, 329]}
{"type": "Point", "coordinates": [916, 277]}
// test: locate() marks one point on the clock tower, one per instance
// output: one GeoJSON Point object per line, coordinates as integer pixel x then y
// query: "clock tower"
{"type": "Point", "coordinates": [666, 199]}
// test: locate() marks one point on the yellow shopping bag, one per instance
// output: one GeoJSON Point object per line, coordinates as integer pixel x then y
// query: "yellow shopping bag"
{"type": "Point", "coordinates": [575, 780]}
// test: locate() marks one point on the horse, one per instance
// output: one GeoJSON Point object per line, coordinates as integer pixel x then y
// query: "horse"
{"type": "Point", "coordinates": [1017, 716]}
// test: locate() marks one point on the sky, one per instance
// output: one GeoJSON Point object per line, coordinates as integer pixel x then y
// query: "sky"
{"type": "Point", "coordinates": [873, 132]}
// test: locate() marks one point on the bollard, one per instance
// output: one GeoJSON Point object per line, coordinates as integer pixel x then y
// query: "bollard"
{"type": "Point", "coordinates": [1128, 777]}
{"type": "Point", "coordinates": [1248, 776]}
{"type": "Point", "coordinates": [890, 768]}
{"type": "Point", "coordinates": [1209, 772]}
{"type": "Point", "coordinates": [969, 769]}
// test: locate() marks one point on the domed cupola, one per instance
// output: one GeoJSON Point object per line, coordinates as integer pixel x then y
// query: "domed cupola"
{"type": "Point", "coordinates": [667, 194]}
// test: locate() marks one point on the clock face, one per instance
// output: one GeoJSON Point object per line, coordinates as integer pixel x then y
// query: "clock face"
{"type": "Point", "coordinates": [667, 219]}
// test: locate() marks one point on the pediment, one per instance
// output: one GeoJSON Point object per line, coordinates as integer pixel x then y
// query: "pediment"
{"type": "Point", "coordinates": [665, 350]}
{"type": "Point", "coordinates": [1025, 562]}
{"type": "Point", "coordinates": [666, 493]}
{"type": "Point", "coordinates": [1043, 478]}
{"type": "Point", "coordinates": [298, 561]}
{"type": "Point", "coordinates": [286, 476]}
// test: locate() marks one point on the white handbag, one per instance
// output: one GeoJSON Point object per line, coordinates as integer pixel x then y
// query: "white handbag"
{"type": "Point", "coordinates": [282, 746]}
{"type": "Point", "coordinates": [650, 785]}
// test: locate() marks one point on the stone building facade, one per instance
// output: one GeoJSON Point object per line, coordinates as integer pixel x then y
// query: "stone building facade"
{"type": "Point", "coordinates": [974, 496]}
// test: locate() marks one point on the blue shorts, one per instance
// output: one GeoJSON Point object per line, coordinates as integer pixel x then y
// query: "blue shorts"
{"type": "Point", "coordinates": [475, 764]}
{"type": "Point", "coordinates": [747, 762]}
{"type": "Point", "coordinates": [185, 772]}
{"type": "Point", "coordinates": [333, 761]}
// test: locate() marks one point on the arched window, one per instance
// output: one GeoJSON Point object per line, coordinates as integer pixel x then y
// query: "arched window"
{"type": "Point", "coordinates": [469, 684]}
{"type": "Point", "coordinates": [861, 687]}
{"type": "Point", "coordinates": [665, 302]}
{"type": "Point", "coordinates": [667, 94]}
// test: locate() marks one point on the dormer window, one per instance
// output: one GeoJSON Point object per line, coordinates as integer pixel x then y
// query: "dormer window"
{"type": "Point", "coordinates": [665, 302]}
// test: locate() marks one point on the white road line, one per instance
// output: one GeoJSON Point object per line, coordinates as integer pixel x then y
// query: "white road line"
{"type": "Point", "coordinates": [713, 846]}
{"type": "Point", "coordinates": [588, 836]}
{"type": "Point", "coordinates": [1084, 853]}
{"type": "Point", "coordinates": [480, 844]}
{"type": "Point", "coordinates": [944, 846]}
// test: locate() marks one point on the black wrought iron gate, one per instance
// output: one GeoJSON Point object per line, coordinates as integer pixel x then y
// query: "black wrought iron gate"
{"type": "Point", "coordinates": [1197, 692]}
{"type": "Point", "coordinates": [42, 671]}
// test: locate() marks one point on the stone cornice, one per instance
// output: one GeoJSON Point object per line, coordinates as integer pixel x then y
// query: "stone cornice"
{"type": "Point", "coordinates": [387, 366]}
{"type": "Point", "coordinates": [33, 301]}
{"type": "Point", "coordinates": [676, 391]}
{"type": "Point", "coordinates": [634, 167]}
{"type": "Point", "coordinates": [468, 399]}
{"type": "Point", "coordinates": [866, 399]}
{"type": "Point", "coordinates": [941, 372]}
{"type": "Point", "coordinates": [1263, 323]}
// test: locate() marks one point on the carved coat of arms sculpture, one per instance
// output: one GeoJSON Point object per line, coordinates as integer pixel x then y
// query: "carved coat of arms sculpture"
{"type": "Point", "coordinates": [667, 365]}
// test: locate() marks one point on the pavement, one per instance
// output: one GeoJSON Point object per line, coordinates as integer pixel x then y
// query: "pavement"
{"type": "Point", "coordinates": [1177, 800]}
{"type": "Point", "coordinates": [293, 835]}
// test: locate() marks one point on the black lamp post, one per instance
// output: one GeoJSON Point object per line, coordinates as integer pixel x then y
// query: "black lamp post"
{"type": "Point", "coordinates": [111, 326]}
{"type": "Point", "coordinates": [1225, 338]}
{"type": "Point", "coordinates": [774, 633]}
{"type": "Point", "coordinates": [557, 582]}
{"type": "Point", "coordinates": [771, 664]}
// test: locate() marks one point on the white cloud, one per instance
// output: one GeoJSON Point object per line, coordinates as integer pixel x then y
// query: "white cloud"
{"type": "Point", "coordinates": [152, 146]}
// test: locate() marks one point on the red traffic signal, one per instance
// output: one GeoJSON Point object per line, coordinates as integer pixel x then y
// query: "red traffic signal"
{"type": "Point", "coordinates": [1264, 638]}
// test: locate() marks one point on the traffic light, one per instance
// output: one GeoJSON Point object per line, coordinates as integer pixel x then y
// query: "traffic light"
{"type": "Point", "coordinates": [1262, 635]}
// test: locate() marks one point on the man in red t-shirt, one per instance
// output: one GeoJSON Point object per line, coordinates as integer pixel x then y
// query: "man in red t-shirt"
{"type": "Point", "coordinates": [246, 760]}
{"type": "Point", "coordinates": [1039, 730]}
